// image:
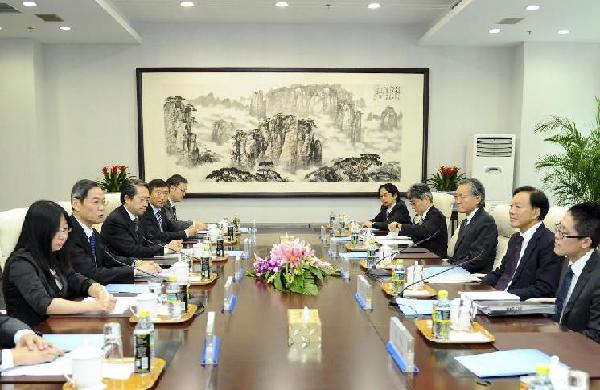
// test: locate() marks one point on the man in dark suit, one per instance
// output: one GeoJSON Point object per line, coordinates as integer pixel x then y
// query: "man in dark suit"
{"type": "Point", "coordinates": [530, 268]}
{"type": "Point", "coordinates": [478, 234]}
{"type": "Point", "coordinates": [429, 224]}
{"type": "Point", "coordinates": [392, 209]}
{"type": "Point", "coordinates": [87, 251]}
{"type": "Point", "coordinates": [21, 346]}
{"type": "Point", "coordinates": [177, 190]}
{"type": "Point", "coordinates": [578, 297]}
{"type": "Point", "coordinates": [122, 231]}
{"type": "Point", "coordinates": [157, 226]}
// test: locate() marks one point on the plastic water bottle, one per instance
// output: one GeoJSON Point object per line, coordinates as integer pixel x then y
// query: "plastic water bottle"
{"type": "Point", "coordinates": [398, 276]}
{"type": "Point", "coordinates": [143, 344]}
{"type": "Point", "coordinates": [440, 316]}
{"type": "Point", "coordinates": [220, 248]}
{"type": "Point", "coordinates": [542, 378]}
{"type": "Point", "coordinates": [173, 301]}
{"type": "Point", "coordinates": [371, 251]}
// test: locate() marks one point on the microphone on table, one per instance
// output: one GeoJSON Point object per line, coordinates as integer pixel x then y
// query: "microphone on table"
{"type": "Point", "coordinates": [114, 258]}
{"type": "Point", "coordinates": [457, 265]}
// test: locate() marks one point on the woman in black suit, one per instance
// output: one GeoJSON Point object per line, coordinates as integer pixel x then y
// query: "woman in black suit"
{"type": "Point", "coordinates": [392, 209]}
{"type": "Point", "coordinates": [38, 280]}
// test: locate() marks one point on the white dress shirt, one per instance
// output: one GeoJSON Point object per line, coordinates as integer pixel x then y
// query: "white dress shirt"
{"type": "Point", "coordinates": [7, 357]}
{"type": "Point", "coordinates": [470, 216]}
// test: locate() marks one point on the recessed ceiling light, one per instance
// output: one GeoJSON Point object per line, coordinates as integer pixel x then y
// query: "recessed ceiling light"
{"type": "Point", "coordinates": [563, 32]}
{"type": "Point", "coordinates": [65, 28]}
{"type": "Point", "coordinates": [494, 31]}
{"type": "Point", "coordinates": [281, 4]}
{"type": "Point", "coordinates": [187, 4]}
{"type": "Point", "coordinates": [0, 27]}
{"type": "Point", "coordinates": [29, 4]}
{"type": "Point", "coordinates": [374, 5]}
{"type": "Point", "coordinates": [532, 7]}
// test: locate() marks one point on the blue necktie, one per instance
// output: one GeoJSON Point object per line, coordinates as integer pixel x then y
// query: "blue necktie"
{"type": "Point", "coordinates": [562, 294]}
{"type": "Point", "coordinates": [159, 219]}
{"type": "Point", "coordinates": [93, 244]}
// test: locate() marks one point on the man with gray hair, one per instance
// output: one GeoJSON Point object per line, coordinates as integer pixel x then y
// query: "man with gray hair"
{"type": "Point", "coordinates": [478, 234]}
{"type": "Point", "coordinates": [431, 224]}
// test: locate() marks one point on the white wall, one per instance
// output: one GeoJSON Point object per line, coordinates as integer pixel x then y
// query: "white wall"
{"type": "Point", "coordinates": [90, 104]}
{"type": "Point", "coordinates": [559, 79]}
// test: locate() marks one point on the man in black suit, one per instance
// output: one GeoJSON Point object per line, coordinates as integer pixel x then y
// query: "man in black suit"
{"type": "Point", "coordinates": [122, 231]}
{"type": "Point", "coordinates": [157, 226]}
{"type": "Point", "coordinates": [392, 209]}
{"type": "Point", "coordinates": [578, 297]}
{"type": "Point", "coordinates": [86, 249]}
{"type": "Point", "coordinates": [177, 190]}
{"type": "Point", "coordinates": [429, 224]}
{"type": "Point", "coordinates": [21, 346]}
{"type": "Point", "coordinates": [478, 234]}
{"type": "Point", "coordinates": [530, 268]}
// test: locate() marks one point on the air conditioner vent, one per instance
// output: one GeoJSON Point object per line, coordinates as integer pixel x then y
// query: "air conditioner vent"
{"type": "Point", "coordinates": [8, 9]}
{"type": "Point", "coordinates": [510, 21]}
{"type": "Point", "coordinates": [50, 17]}
{"type": "Point", "coordinates": [494, 147]}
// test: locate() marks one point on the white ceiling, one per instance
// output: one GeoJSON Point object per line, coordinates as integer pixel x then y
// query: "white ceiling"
{"type": "Point", "coordinates": [447, 22]}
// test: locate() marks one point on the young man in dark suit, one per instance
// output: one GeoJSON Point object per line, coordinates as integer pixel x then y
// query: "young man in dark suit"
{"type": "Point", "coordinates": [157, 226]}
{"type": "Point", "coordinates": [21, 346]}
{"type": "Point", "coordinates": [578, 297]}
{"type": "Point", "coordinates": [392, 209]}
{"type": "Point", "coordinates": [478, 234]}
{"type": "Point", "coordinates": [87, 251]}
{"type": "Point", "coordinates": [122, 230]}
{"type": "Point", "coordinates": [530, 268]}
{"type": "Point", "coordinates": [429, 224]}
{"type": "Point", "coordinates": [177, 190]}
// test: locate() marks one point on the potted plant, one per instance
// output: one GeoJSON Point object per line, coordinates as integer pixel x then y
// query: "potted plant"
{"type": "Point", "coordinates": [446, 178]}
{"type": "Point", "coordinates": [114, 178]}
{"type": "Point", "coordinates": [572, 175]}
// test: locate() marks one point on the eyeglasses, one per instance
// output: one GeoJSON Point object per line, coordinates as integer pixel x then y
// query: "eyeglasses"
{"type": "Point", "coordinates": [64, 233]}
{"type": "Point", "coordinates": [560, 233]}
{"type": "Point", "coordinates": [181, 189]}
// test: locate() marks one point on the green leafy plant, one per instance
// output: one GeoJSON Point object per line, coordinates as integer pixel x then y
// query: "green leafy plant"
{"type": "Point", "coordinates": [573, 175]}
{"type": "Point", "coordinates": [446, 178]}
{"type": "Point", "coordinates": [114, 178]}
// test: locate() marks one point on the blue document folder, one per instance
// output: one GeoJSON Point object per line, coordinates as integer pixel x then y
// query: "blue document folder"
{"type": "Point", "coordinates": [428, 271]}
{"type": "Point", "coordinates": [415, 307]}
{"type": "Point", "coordinates": [354, 255]}
{"type": "Point", "coordinates": [71, 341]}
{"type": "Point", "coordinates": [515, 362]}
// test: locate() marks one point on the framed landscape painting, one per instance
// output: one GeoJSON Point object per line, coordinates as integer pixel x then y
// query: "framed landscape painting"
{"type": "Point", "coordinates": [283, 131]}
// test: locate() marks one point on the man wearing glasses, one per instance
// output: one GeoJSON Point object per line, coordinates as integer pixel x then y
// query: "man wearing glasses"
{"type": "Point", "coordinates": [578, 297]}
{"type": "Point", "coordinates": [392, 209]}
{"type": "Point", "coordinates": [86, 249]}
{"type": "Point", "coordinates": [177, 190]}
{"type": "Point", "coordinates": [477, 239]}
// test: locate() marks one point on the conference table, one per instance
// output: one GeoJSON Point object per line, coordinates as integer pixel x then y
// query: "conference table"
{"type": "Point", "coordinates": [254, 351]}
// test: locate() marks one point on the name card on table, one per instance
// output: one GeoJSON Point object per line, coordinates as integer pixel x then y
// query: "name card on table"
{"type": "Point", "coordinates": [401, 346]}
{"type": "Point", "coordinates": [364, 293]}
{"type": "Point", "coordinates": [229, 298]}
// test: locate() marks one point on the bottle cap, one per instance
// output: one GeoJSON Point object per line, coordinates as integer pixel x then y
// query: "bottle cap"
{"type": "Point", "coordinates": [144, 314]}
{"type": "Point", "coordinates": [172, 278]}
{"type": "Point", "coordinates": [542, 369]}
{"type": "Point", "coordinates": [442, 294]}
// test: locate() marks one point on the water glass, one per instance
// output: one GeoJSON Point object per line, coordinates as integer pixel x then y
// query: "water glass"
{"type": "Point", "coordinates": [113, 344]}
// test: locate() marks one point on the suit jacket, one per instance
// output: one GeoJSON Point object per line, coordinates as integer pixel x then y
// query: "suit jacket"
{"type": "Point", "coordinates": [433, 222]}
{"type": "Point", "coordinates": [582, 311]}
{"type": "Point", "coordinates": [103, 268]}
{"type": "Point", "coordinates": [171, 214]}
{"type": "Point", "coordinates": [152, 230]}
{"type": "Point", "coordinates": [479, 240]}
{"type": "Point", "coordinates": [539, 270]}
{"type": "Point", "coordinates": [29, 290]}
{"type": "Point", "coordinates": [126, 238]}
{"type": "Point", "coordinates": [8, 327]}
{"type": "Point", "coordinates": [399, 213]}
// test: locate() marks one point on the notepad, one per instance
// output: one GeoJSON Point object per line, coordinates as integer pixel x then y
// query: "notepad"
{"type": "Point", "coordinates": [127, 288]}
{"type": "Point", "coordinates": [122, 304]}
{"type": "Point", "coordinates": [71, 341]}
{"type": "Point", "coordinates": [415, 307]}
{"type": "Point", "coordinates": [514, 362]}
{"type": "Point", "coordinates": [489, 295]}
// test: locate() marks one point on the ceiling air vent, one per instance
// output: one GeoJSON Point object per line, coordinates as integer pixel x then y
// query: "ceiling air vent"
{"type": "Point", "coordinates": [50, 17]}
{"type": "Point", "coordinates": [8, 9]}
{"type": "Point", "coordinates": [510, 20]}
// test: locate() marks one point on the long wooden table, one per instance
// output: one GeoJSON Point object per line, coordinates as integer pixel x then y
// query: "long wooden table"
{"type": "Point", "coordinates": [255, 354]}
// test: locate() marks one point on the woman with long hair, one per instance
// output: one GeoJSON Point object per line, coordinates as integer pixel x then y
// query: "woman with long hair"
{"type": "Point", "coordinates": [38, 280]}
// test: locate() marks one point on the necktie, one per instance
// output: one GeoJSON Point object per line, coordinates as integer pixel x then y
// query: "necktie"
{"type": "Point", "coordinates": [511, 265]}
{"type": "Point", "coordinates": [93, 245]}
{"type": "Point", "coordinates": [159, 219]}
{"type": "Point", "coordinates": [562, 294]}
{"type": "Point", "coordinates": [174, 212]}
{"type": "Point", "coordinates": [463, 228]}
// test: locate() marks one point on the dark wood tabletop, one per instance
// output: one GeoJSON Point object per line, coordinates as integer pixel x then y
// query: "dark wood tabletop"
{"type": "Point", "coordinates": [254, 350]}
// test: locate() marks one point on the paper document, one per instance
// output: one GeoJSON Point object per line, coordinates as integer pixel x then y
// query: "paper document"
{"type": "Point", "coordinates": [515, 362]}
{"type": "Point", "coordinates": [428, 271]}
{"type": "Point", "coordinates": [127, 288]}
{"type": "Point", "coordinates": [62, 366]}
{"type": "Point", "coordinates": [411, 307]}
{"type": "Point", "coordinates": [341, 239]}
{"type": "Point", "coordinates": [541, 300]}
{"type": "Point", "coordinates": [393, 240]}
{"type": "Point", "coordinates": [489, 295]}
{"type": "Point", "coordinates": [122, 305]}
{"type": "Point", "coordinates": [71, 341]}
{"type": "Point", "coordinates": [354, 255]}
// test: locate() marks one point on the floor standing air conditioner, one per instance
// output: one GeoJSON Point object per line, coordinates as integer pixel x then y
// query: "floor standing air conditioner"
{"type": "Point", "coordinates": [491, 159]}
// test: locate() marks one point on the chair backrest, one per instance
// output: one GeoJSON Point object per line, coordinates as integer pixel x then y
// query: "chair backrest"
{"type": "Point", "coordinates": [505, 231]}
{"type": "Point", "coordinates": [444, 202]}
{"type": "Point", "coordinates": [113, 200]}
{"type": "Point", "coordinates": [554, 216]}
{"type": "Point", "coordinates": [11, 222]}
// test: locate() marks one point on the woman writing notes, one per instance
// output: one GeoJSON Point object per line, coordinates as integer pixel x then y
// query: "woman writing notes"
{"type": "Point", "coordinates": [38, 280]}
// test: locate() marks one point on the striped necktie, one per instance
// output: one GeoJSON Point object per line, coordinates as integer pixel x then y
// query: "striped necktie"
{"type": "Point", "coordinates": [159, 219]}
{"type": "Point", "coordinates": [92, 239]}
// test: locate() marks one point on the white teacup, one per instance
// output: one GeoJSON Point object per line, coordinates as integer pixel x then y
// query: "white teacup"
{"type": "Point", "coordinates": [146, 301]}
{"type": "Point", "coordinates": [392, 234]}
{"type": "Point", "coordinates": [86, 368]}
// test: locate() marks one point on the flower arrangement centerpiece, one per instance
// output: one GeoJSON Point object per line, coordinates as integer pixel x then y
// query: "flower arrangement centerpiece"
{"type": "Point", "coordinates": [292, 266]}
{"type": "Point", "coordinates": [446, 178]}
{"type": "Point", "coordinates": [114, 178]}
